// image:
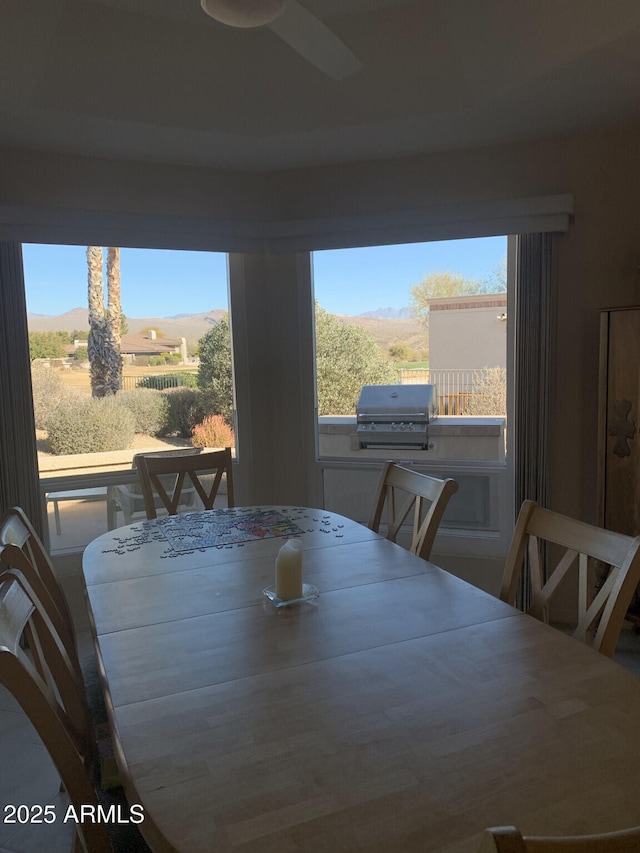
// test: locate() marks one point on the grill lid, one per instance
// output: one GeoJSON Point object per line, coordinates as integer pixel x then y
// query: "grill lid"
{"type": "Point", "coordinates": [395, 415]}
{"type": "Point", "coordinates": [387, 403]}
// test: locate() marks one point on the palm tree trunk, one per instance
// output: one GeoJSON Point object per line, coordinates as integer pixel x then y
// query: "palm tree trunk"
{"type": "Point", "coordinates": [97, 323]}
{"type": "Point", "coordinates": [114, 317]}
{"type": "Point", "coordinates": [104, 355]}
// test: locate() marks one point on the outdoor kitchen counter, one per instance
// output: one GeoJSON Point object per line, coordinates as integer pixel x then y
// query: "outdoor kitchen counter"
{"type": "Point", "coordinates": [461, 437]}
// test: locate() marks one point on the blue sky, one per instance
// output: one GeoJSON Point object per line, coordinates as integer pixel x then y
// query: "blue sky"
{"type": "Point", "coordinates": [162, 283]}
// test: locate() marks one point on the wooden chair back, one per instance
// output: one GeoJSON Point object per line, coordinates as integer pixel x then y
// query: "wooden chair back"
{"type": "Point", "coordinates": [22, 549]}
{"type": "Point", "coordinates": [193, 469]}
{"type": "Point", "coordinates": [129, 498]}
{"type": "Point", "coordinates": [601, 612]}
{"type": "Point", "coordinates": [48, 691]}
{"type": "Point", "coordinates": [508, 839]}
{"type": "Point", "coordinates": [403, 491]}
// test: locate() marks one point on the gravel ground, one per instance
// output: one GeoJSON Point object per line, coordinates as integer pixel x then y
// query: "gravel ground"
{"type": "Point", "coordinates": [139, 441]}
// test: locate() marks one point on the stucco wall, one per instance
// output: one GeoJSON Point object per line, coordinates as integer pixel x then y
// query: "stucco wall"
{"type": "Point", "coordinates": [468, 333]}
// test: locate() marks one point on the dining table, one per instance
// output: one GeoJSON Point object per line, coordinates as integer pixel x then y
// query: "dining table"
{"type": "Point", "coordinates": [395, 708]}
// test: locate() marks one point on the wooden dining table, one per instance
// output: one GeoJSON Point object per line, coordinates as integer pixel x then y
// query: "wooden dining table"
{"type": "Point", "coordinates": [401, 710]}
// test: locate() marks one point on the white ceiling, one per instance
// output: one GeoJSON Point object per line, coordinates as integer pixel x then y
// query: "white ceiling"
{"type": "Point", "coordinates": [159, 80]}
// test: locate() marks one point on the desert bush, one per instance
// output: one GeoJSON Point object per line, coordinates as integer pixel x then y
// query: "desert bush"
{"type": "Point", "coordinates": [215, 375]}
{"type": "Point", "coordinates": [400, 352]}
{"type": "Point", "coordinates": [214, 431]}
{"type": "Point", "coordinates": [162, 381]}
{"type": "Point", "coordinates": [48, 344]}
{"type": "Point", "coordinates": [149, 408]}
{"type": "Point", "coordinates": [90, 425]}
{"type": "Point", "coordinates": [347, 357]}
{"type": "Point", "coordinates": [489, 395]}
{"type": "Point", "coordinates": [165, 358]}
{"type": "Point", "coordinates": [186, 409]}
{"type": "Point", "coordinates": [48, 391]}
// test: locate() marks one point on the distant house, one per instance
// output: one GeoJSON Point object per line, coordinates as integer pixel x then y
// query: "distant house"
{"type": "Point", "coordinates": [468, 332]}
{"type": "Point", "coordinates": [135, 347]}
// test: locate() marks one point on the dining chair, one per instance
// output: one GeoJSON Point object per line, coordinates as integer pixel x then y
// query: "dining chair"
{"type": "Point", "coordinates": [401, 490]}
{"type": "Point", "coordinates": [22, 551]}
{"type": "Point", "coordinates": [129, 498]}
{"type": "Point", "coordinates": [508, 839]}
{"type": "Point", "coordinates": [601, 611]}
{"type": "Point", "coordinates": [36, 669]}
{"type": "Point", "coordinates": [204, 471]}
{"type": "Point", "coordinates": [50, 696]}
{"type": "Point", "coordinates": [21, 548]}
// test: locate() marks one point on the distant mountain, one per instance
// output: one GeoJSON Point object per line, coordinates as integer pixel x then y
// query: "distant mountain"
{"type": "Point", "coordinates": [385, 329]}
{"type": "Point", "coordinates": [388, 314]}
{"type": "Point", "coordinates": [189, 326]}
{"type": "Point", "coordinates": [77, 318]}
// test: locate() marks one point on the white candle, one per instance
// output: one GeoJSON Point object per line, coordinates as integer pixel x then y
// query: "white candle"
{"type": "Point", "coordinates": [289, 570]}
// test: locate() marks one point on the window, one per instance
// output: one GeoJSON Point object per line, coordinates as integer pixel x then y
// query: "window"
{"type": "Point", "coordinates": [425, 313]}
{"type": "Point", "coordinates": [170, 323]}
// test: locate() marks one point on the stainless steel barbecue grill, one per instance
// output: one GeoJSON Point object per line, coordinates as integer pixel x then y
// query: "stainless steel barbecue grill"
{"type": "Point", "coordinates": [395, 415]}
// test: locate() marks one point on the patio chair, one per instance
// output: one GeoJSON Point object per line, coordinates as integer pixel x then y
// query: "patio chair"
{"type": "Point", "coordinates": [401, 490]}
{"type": "Point", "coordinates": [205, 472]}
{"type": "Point", "coordinates": [601, 612]}
{"type": "Point", "coordinates": [508, 839]}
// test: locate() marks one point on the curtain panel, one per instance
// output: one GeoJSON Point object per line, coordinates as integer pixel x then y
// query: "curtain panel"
{"type": "Point", "coordinates": [18, 455]}
{"type": "Point", "coordinates": [535, 340]}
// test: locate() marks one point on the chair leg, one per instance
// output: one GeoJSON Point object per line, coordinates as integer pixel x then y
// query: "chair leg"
{"type": "Point", "coordinates": [112, 509]}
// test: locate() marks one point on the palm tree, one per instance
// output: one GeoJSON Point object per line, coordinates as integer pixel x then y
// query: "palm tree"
{"type": "Point", "coordinates": [114, 316]}
{"type": "Point", "coordinates": [103, 348]}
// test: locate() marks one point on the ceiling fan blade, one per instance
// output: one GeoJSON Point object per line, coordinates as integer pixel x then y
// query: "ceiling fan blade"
{"type": "Point", "coordinates": [309, 37]}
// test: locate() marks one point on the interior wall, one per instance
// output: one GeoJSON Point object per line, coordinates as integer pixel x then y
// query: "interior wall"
{"type": "Point", "coordinates": [38, 178]}
{"type": "Point", "coordinates": [598, 263]}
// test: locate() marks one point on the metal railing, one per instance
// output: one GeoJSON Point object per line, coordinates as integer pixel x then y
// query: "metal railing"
{"type": "Point", "coordinates": [456, 389]}
{"type": "Point", "coordinates": [455, 381]}
{"type": "Point", "coordinates": [160, 381]}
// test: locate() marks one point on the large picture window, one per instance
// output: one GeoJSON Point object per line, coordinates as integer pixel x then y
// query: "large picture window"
{"type": "Point", "coordinates": [418, 314]}
{"type": "Point", "coordinates": [130, 352]}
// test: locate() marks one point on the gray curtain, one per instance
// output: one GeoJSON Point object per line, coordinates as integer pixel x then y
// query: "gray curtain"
{"type": "Point", "coordinates": [535, 303]}
{"type": "Point", "coordinates": [18, 456]}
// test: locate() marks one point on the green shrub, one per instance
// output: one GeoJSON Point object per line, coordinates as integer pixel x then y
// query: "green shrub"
{"type": "Point", "coordinates": [165, 358]}
{"type": "Point", "coordinates": [186, 409]}
{"type": "Point", "coordinates": [347, 357]}
{"type": "Point", "coordinates": [189, 380]}
{"type": "Point", "coordinates": [214, 431]}
{"type": "Point", "coordinates": [48, 344]}
{"type": "Point", "coordinates": [162, 381]}
{"type": "Point", "coordinates": [81, 354]}
{"type": "Point", "coordinates": [149, 408]}
{"type": "Point", "coordinates": [90, 425]}
{"type": "Point", "coordinates": [48, 391]}
{"type": "Point", "coordinates": [215, 375]}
